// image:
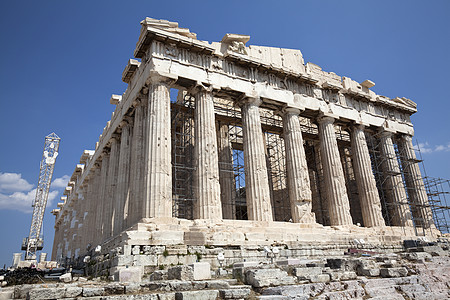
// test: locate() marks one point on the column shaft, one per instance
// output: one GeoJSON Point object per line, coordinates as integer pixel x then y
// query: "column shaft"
{"type": "Point", "coordinates": [111, 188]}
{"type": "Point", "coordinates": [122, 195]}
{"type": "Point", "coordinates": [158, 194]}
{"type": "Point", "coordinates": [101, 201]}
{"type": "Point", "coordinates": [396, 194]}
{"type": "Point", "coordinates": [416, 190]}
{"type": "Point", "coordinates": [137, 170]}
{"type": "Point", "coordinates": [207, 188]}
{"type": "Point", "coordinates": [365, 180]}
{"type": "Point", "coordinates": [226, 174]}
{"type": "Point", "coordinates": [297, 170]}
{"type": "Point", "coordinates": [256, 178]}
{"type": "Point", "coordinates": [335, 190]}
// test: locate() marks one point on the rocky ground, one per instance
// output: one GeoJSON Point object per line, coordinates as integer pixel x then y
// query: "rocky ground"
{"type": "Point", "coordinates": [419, 273]}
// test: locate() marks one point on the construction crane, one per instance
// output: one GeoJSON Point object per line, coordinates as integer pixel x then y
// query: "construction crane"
{"type": "Point", "coordinates": [34, 241]}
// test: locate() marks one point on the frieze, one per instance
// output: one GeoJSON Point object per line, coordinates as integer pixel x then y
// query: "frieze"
{"type": "Point", "coordinates": [351, 95]}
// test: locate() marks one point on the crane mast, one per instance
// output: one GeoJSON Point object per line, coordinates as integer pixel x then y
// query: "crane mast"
{"type": "Point", "coordinates": [34, 242]}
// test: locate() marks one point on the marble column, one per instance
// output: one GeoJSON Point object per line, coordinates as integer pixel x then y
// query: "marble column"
{"type": "Point", "coordinates": [137, 168]}
{"type": "Point", "coordinates": [365, 180]}
{"type": "Point", "coordinates": [259, 205]}
{"type": "Point", "coordinates": [416, 190]}
{"type": "Point", "coordinates": [299, 185]}
{"type": "Point", "coordinates": [206, 175]}
{"type": "Point", "coordinates": [123, 173]}
{"type": "Point", "coordinates": [101, 201]}
{"type": "Point", "coordinates": [335, 190]}
{"type": "Point", "coordinates": [398, 206]}
{"type": "Point", "coordinates": [111, 187]}
{"type": "Point", "coordinates": [226, 173]}
{"type": "Point", "coordinates": [158, 190]}
{"type": "Point", "coordinates": [92, 201]}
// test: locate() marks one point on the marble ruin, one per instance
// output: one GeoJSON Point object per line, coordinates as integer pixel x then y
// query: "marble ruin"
{"type": "Point", "coordinates": [256, 149]}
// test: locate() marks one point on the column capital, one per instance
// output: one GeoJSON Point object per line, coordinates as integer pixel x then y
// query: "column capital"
{"type": "Point", "coordinates": [326, 119]}
{"type": "Point", "coordinates": [359, 126]}
{"type": "Point", "coordinates": [385, 133]}
{"type": "Point", "coordinates": [256, 101]}
{"type": "Point", "coordinates": [291, 111]}
{"type": "Point", "coordinates": [127, 120]}
{"type": "Point", "coordinates": [161, 78]}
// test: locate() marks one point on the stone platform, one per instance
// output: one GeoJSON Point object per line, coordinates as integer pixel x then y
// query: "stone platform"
{"type": "Point", "coordinates": [159, 242]}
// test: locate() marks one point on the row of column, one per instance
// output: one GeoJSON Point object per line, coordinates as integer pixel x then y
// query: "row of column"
{"type": "Point", "coordinates": [133, 177]}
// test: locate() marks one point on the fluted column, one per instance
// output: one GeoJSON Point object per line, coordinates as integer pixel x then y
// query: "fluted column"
{"type": "Point", "coordinates": [259, 206]}
{"type": "Point", "coordinates": [158, 190]}
{"type": "Point", "coordinates": [101, 201]}
{"type": "Point", "coordinates": [226, 174]}
{"type": "Point", "coordinates": [123, 173]}
{"type": "Point", "coordinates": [335, 190]}
{"type": "Point", "coordinates": [365, 180]}
{"type": "Point", "coordinates": [416, 190]}
{"type": "Point", "coordinates": [92, 202]}
{"type": "Point", "coordinates": [206, 176]}
{"type": "Point", "coordinates": [297, 169]}
{"type": "Point", "coordinates": [111, 187]}
{"type": "Point", "coordinates": [396, 194]}
{"type": "Point", "coordinates": [137, 170]}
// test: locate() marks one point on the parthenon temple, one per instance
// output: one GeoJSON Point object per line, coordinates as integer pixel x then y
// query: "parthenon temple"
{"type": "Point", "coordinates": [230, 144]}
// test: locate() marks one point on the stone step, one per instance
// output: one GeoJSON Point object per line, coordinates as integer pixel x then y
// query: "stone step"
{"type": "Point", "coordinates": [197, 295]}
{"type": "Point", "coordinates": [5, 295]}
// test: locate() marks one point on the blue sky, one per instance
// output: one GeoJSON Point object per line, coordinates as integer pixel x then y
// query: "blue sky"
{"type": "Point", "coordinates": [61, 61]}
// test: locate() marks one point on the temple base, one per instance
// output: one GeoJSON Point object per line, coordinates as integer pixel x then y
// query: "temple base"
{"type": "Point", "coordinates": [161, 242]}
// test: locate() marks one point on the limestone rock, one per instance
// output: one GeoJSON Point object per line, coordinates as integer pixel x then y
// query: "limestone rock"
{"type": "Point", "coordinates": [267, 277]}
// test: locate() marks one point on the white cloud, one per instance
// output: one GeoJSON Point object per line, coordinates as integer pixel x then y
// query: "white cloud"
{"type": "Point", "coordinates": [60, 182]}
{"type": "Point", "coordinates": [11, 182]}
{"type": "Point", "coordinates": [16, 193]}
{"type": "Point", "coordinates": [427, 148]}
{"type": "Point", "coordinates": [22, 201]}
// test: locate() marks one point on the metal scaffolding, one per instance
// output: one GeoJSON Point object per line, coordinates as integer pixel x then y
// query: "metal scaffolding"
{"type": "Point", "coordinates": [229, 119]}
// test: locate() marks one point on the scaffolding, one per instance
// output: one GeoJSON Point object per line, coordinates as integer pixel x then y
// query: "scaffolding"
{"type": "Point", "coordinates": [229, 119]}
{"type": "Point", "coordinates": [182, 156]}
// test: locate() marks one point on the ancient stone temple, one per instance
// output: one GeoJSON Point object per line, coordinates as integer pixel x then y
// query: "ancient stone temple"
{"type": "Point", "coordinates": [231, 145]}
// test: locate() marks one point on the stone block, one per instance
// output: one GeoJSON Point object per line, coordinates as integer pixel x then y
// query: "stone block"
{"type": "Point", "coordinates": [73, 291]}
{"type": "Point", "coordinates": [181, 273]}
{"type": "Point", "coordinates": [195, 238]}
{"type": "Point", "coordinates": [267, 277]}
{"type": "Point", "coordinates": [180, 286]}
{"type": "Point", "coordinates": [93, 291]}
{"type": "Point", "coordinates": [235, 293]}
{"type": "Point", "coordinates": [145, 260]}
{"type": "Point", "coordinates": [419, 257]}
{"type": "Point", "coordinates": [201, 271]}
{"type": "Point", "coordinates": [304, 273]}
{"type": "Point", "coordinates": [114, 288]}
{"type": "Point", "coordinates": [46, 293]}
{"type": "Point", "coordinates": [393, 272]}
{"type": "Point", "coordinates": [166, 237]}
{"type": "Point", "coordinates": [342, 276]}
{"type": "Point", "coordinates": [167, 260]}
{"type": "Point", "coordinates": [159, 275]}
{"type": "Point", "coordinates": [66, 278]}
{"type": "Point", "coordinates": [288, 262]}
{"type": "Point", "coordinates": [132, 288]}
{"type": "Point", "coordinates": [6, 294]}
{"type": "Point", "coordinates": [176, 249]}
{"type": "Point", "coordinates": [319, 278]}
{"type": "Point", "coordinates": [369, 272]}
{"type": "Point", "coordinates": [131, 274]}
{"type": "Point", "coordinates": [245, 264]}
{"type": "Point", "coordinates": [197, 295]}
{"type": "Point", "coordinates": [217, 284]}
